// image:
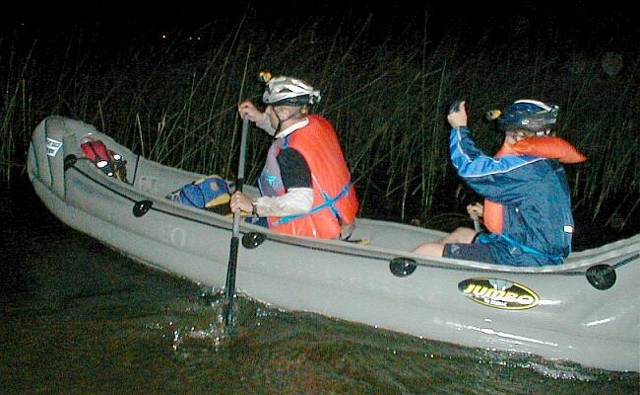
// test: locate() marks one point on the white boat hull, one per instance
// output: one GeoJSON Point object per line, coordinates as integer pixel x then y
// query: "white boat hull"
{"type": "Point", "coordinates": [554, 312]}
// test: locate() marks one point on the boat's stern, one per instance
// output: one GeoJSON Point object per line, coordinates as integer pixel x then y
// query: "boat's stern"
{"type": "Point", "coordinates": [54, 143]}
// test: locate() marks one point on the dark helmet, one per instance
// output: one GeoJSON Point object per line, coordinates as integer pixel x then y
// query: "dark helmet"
{"type": "Point", "coordinates": [531, 115]}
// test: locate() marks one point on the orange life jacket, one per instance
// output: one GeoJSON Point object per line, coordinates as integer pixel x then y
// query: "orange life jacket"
{"type": "Point", "coordinates": [551, 147]}
{"type": "Point", "coordinates": [334, 198]}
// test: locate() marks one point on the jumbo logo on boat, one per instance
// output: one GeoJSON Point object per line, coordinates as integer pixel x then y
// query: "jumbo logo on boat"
{"type": "Point", "coordinates": [501, 294]}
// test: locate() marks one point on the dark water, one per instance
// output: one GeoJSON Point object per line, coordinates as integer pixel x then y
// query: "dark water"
{"type": "Point", "coordinates": [77, 317]}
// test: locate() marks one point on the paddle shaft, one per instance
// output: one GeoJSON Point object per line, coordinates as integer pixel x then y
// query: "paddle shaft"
{"type": "Point", "coordinates": [230, 285]}
{"type": "Point", "coordinates": [476, 225]}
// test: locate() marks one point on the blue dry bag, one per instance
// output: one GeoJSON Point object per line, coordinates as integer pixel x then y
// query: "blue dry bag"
{"type": "Point", "coordinates": [209, 193]}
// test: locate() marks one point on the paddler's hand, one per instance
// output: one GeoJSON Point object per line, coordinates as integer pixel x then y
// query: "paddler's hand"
{"type": "Point", "coordinates": [458, 118]}
{"type": "Point", "coordinates": [248, 111]}
{"type": "Point", "coordinates": [476, 211]}
{"type": "Point", "coordinates": [240, 201]}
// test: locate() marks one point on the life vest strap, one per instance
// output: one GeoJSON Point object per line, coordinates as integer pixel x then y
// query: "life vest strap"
{"type": "Point", "coordinates": [328, 202]}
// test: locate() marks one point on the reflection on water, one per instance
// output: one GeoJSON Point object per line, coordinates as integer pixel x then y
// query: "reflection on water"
{"type": "Point", "coordinates": [80, 318]}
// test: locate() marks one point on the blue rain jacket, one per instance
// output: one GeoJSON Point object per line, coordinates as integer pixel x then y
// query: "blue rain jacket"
{"type": "Point", "coordinates": [534, 193]}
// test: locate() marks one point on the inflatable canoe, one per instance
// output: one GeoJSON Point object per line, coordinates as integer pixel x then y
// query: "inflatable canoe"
{"type": "Point", "coordinates": [586, 310]}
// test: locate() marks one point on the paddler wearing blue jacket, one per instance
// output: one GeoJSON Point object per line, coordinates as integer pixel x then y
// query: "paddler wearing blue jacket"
{"type": "Point", "coordinates": [537, 223]}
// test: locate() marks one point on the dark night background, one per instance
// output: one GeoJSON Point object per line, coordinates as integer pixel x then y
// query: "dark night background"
{"type": "Point", "coordinates": [581, 26]}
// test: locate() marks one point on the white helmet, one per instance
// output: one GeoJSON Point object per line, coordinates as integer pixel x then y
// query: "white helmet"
{"type": "Point", "coordinates": [289, 91]}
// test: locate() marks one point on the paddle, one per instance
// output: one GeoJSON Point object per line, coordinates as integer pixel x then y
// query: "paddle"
{"type": "Point", "coordinates": [476, 225]}
{"type": "Point", "coordinates": [230, 286]}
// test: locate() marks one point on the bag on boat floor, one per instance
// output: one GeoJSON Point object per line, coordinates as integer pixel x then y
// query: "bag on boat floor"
{"type": "Point", "coordinates": [110, 163]}
{"type": "Point", "coordinates": [210, 193]}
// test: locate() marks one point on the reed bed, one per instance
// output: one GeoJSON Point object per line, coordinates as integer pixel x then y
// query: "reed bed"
{"type": "Point", "coordinates": [175, 102]}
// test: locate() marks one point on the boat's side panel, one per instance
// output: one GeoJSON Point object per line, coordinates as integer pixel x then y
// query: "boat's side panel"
{"type": "Point", "coordinates": [430, 303]}
{"type": "Point", "coordinates": [164, 244]}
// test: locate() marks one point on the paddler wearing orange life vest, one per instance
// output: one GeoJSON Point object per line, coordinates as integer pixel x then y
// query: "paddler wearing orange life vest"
{"type": "Point", "coordinates": [305, 184]}
{"type": "Point", "coordinates": [528, 206]}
